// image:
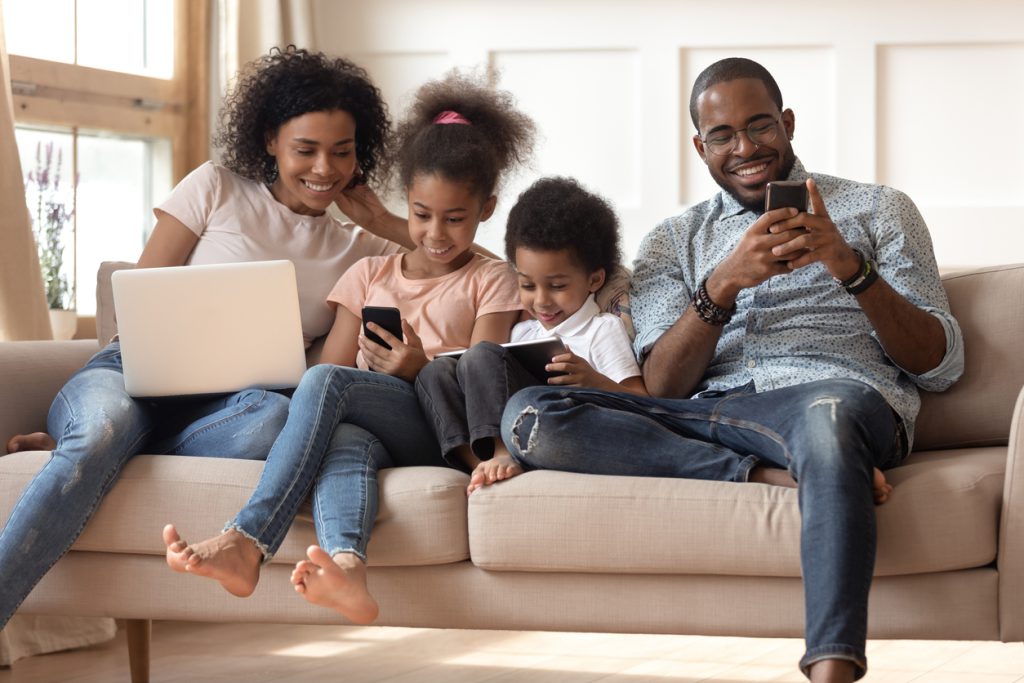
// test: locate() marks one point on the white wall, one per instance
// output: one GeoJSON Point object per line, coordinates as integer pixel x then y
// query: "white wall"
{"type": "Point", "coordinates": [915, 94]}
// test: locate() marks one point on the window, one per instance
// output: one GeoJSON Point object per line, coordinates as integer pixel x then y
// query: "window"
{"type": "Point", "coordinates": [118, 88]}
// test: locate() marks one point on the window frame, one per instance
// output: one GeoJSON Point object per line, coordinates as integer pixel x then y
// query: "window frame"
{"type": "Point", "coordinates": [71, 96]}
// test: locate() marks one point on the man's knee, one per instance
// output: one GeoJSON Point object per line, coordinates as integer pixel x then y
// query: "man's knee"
{"type": "Point", "coordinates": [521, 420]}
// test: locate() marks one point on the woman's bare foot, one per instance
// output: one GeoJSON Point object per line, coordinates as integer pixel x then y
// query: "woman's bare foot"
{"type": "Point", "coordinates": [337, 583]}
{"type": "Point", "coordinates": [36, 441]}
{"type": "Point", "coordinates": [499, 468]}
{"type": "Point", "coordinates": [881, 489]}
{"type": "Point", "coordinates": [230, 559]}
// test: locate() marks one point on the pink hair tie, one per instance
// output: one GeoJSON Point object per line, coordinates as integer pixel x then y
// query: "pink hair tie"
{"type": "Point", "coordinates": [449, 116]}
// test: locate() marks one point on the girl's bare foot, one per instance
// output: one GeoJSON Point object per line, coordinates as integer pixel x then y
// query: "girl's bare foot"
{"type": "Point", "coordinates": [881, 489]}
{"type": "Point", "coordinates": [36, 441]}
{"type": "Point", "coordinates": [498, 468]}
{"type": "Point", "coordinates": [230, 559]}
{"type": "Point", "coordinates": [337, 583]}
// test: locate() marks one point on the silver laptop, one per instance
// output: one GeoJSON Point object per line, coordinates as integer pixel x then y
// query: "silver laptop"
{"type": "Point", "coordinates": [209, 329]}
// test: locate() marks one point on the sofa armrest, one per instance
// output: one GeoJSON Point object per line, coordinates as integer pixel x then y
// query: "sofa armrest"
{"type": "Point", "coordinates": [1011, 533]}
{"type": "Point", "coordinates": [31, 374]}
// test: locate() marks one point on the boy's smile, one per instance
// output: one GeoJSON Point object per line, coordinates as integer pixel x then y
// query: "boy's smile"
{"type": "Point", "coordinates": [553, 285]}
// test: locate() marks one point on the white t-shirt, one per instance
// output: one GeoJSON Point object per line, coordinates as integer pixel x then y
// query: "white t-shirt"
{"type": "Point", "coordinates": [598, 338]}
{"type": "Point", "coordinates": [238, 219]}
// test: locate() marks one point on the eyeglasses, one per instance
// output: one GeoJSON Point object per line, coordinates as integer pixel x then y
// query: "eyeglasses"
{"type": "Point", "coordinates": [725, 142]}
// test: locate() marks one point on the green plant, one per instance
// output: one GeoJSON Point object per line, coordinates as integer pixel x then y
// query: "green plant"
{"type": "Point", "coordinates": [50, 224]}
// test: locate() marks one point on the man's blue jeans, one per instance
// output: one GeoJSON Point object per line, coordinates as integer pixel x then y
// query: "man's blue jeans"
{"type": "Point", "coordinates": [829, 434]}
{"type": "Point", "coordinates": [98, 428]}
{"type": "Point", "coordinates": [343, 426]}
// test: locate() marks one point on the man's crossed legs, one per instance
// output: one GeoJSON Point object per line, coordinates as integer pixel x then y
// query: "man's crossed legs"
{"type": "Point", "coordinates": [830, 435]}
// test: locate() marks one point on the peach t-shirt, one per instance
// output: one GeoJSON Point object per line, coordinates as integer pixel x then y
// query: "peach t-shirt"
{"type": "Point", "coordinates": [238, 219]}
{"type": "Point", "coordinates": [442, 310]}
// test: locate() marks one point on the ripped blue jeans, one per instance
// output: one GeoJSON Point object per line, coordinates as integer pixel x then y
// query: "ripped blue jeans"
{"type": "Point", "coordinates": [829, 434]}
{"type": "Point", "coordinates": [98, 428]}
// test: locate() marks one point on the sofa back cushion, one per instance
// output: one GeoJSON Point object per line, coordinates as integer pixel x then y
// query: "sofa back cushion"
{"type": "Point", "coordinates": [976, 411]}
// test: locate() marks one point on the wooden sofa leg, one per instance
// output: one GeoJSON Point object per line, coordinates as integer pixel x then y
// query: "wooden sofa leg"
{"type": "Point", "coordinates": [139, 631]}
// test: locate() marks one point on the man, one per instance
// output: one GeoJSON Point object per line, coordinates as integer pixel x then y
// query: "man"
{"type": "Point", "coordinates": [799, 335]}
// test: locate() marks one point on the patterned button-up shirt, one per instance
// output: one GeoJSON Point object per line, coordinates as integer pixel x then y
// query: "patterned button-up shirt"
{"type": "Point", "coordinates": [800, 326]}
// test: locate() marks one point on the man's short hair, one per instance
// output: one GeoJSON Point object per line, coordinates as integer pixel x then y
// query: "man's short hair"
{"type": "Point", "coordinates": [730, 69]}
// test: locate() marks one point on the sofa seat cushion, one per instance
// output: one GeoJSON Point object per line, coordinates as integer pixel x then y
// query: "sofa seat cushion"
{"type": "Point", "coordinates": [943, 515]}
{"type": "Point", "coordinates": [421, 520]}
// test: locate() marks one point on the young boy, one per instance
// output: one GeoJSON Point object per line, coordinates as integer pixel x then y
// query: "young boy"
{"type": "Point", "coordinates": [562, 241]}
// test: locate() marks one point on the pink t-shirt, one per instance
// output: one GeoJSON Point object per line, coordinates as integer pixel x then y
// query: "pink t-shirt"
{"type": "Point", "coordinates": [442, 310]}
{"type": "Point", "coordinates": [238, 219]}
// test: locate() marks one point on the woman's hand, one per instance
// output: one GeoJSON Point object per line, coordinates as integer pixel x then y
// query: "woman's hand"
{"type": "Point", "coordinates": [403, 359]}
{"type": "Point", "coordinates": [364, 207]}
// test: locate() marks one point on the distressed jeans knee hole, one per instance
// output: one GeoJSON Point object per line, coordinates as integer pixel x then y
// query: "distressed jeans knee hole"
{"type": "Point", "coordinates": [527, 412]}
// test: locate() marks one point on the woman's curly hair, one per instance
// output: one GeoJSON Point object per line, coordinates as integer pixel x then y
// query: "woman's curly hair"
{"type": "Point", "coordinates": [497, 138]}
{"type": "Point", "coordinates": [283, 84]}
{"type": "Point", "coordinates": [558, 213]}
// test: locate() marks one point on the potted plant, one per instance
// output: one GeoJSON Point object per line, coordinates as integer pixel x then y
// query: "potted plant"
{"type": "Point", "coordinates": [51, 224]}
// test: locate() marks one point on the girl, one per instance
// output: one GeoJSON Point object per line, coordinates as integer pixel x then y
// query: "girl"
{"type": "Point", "coordinates": [346, 423]}
{"type": "Point", "coordinates": [296, 131]}
{"type": "Point", "coordinates": [563, 240]}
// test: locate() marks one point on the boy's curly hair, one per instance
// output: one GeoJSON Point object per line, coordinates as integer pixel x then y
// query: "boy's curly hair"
{"type": "Point", "coordinates": [284, 84]}
{"type": "Point", "coordinates": [498, 137]}
{"type": "Point", "coordinates": [558, 213]}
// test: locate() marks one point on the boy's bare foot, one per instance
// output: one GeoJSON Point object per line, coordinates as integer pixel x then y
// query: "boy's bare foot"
{"type": "Point", "coordinates": [230, 559]}
{"type": "Point", "coordinates": [498, 468]}
{"type": "Point", "coordinates": [337, 583]}
{"type": "Point", "coordinates": [36, 441]}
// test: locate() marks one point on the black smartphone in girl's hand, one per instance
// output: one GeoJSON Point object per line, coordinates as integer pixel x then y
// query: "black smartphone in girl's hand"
{"type": "Point", "coordinates": [387, 317]}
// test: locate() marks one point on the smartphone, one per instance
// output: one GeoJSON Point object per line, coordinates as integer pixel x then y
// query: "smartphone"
{"type": "Point", "coordinates": [782, 194]}
{"type": "Point", "coordinates": [387, 317]}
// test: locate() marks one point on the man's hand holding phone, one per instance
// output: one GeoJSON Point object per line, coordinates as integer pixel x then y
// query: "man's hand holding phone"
{"type": "Point", "coordinates": [819, 240]}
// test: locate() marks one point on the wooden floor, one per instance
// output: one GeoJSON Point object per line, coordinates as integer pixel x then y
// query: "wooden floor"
{"type": "Point", "coordinates": [252, 653]}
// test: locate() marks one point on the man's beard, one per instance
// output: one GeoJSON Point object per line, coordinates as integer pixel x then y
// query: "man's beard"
{"type": "Point", "coordinates": [757, 205]}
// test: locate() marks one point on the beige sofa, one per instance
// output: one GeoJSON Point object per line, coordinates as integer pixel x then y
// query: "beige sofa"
{"type": "Point", "coordinates": [556, 551]}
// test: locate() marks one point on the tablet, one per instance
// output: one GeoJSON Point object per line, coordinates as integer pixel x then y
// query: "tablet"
{"type": "Point", "coordinates": [533, 355]}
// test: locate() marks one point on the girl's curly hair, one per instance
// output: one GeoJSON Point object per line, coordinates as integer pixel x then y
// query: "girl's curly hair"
{"type": "Point", "coordinates": [498, 137]}
{"type": "Point", "coordinates": [283, 84]}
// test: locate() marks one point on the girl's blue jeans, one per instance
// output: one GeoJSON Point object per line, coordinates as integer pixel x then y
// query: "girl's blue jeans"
{"type": "Point", "coordinates": [343, 426]}
{"type": "Point", "coordinates": [829, 434]}
{"type": "Point", "coordinates": [98, 428]}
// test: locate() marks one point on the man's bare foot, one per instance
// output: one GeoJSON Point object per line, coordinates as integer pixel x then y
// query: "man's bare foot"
{"type": "Point", "coordinates": [832, 671]}
{"type": "Point", "coordinates": [36, 441]}
{"type": "Point", "coordinates": [337, 583]}
{"type": "Point", "coordinates": [881, 489]}
{"type": "Point", "coordinates": [776, 476]}
{"type": "Point", "coordinates": [230, 559]}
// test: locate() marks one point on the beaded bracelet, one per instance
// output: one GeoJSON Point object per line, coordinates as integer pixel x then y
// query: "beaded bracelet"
{"type": "Point", "coordinates": [865, 276]}
{"type": "Point", "coordinates": [707, 310]}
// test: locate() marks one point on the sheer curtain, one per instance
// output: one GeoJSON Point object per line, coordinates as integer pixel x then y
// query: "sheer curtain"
{"type": "Point", "coordinates": [23, 311]}
{"type": "Point", "coordinates": [247, 29]}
